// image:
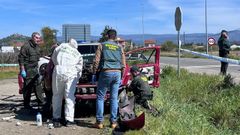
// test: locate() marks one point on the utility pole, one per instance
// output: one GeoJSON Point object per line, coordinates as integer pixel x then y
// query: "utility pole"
{"type": "Point", "coordinates": [143, 24]}
{"type": "Point", "coordinates": [206, 25]}
{"type": "Point", "coordinates": [184, 40]}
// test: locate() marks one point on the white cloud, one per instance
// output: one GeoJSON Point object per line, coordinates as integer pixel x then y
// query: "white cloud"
{"type": "Point", "coordinates": [221, 14]}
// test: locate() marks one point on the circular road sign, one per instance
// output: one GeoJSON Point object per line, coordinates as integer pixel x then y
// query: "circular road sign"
{"type": "Point", "coordinates": [211, 41]}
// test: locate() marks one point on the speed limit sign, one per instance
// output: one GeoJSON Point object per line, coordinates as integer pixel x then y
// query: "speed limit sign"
{"type": "Point", "coordinates": [211, 41]}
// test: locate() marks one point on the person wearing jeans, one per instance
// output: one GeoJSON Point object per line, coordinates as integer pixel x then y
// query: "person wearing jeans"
{"type": "Point", "coordinates": [110, 81]}
{"type": "Point", "coordinates": [109, 62]}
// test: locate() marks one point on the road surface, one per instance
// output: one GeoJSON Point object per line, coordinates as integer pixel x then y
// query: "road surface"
{"type": "Point", "coordinates": [201, 65]}
{"type": "Point", "coordinates": [23, 121]}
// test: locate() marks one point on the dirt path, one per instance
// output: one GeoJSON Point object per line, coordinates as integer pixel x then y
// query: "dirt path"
{"type": "Point", "coordinates": [23, 121]}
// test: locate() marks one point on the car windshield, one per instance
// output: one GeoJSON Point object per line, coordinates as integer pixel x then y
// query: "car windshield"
{"type": "Point", "coordinates": [87, 49]}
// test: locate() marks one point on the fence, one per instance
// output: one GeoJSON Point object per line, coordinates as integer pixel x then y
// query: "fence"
{"type": "Point", "coordinates": [8, 62]}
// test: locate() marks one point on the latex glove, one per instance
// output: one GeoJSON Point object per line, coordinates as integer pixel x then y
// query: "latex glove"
{"type": "Point", "coordinates": [93, 79]}
{"type": "Point", "coordinates": [23, 74]}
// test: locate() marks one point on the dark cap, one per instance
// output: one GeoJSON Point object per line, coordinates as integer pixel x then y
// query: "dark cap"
{"type": "Point", "coordinates": [112, 32]}
{"type": "Point", "coordinates": [134, 68]}
{"type": "Point", "coordinates": [224, 31]}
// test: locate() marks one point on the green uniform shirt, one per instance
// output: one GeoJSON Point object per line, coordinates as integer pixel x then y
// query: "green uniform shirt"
{"type": "Point", "coordinates": [224, 44]}
{"type": "Point", "coordinates": [28, 57]}
{"type": "Point", "coordinates": [140, 87]}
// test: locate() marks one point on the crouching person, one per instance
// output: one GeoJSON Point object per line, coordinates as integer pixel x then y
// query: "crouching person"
{"type": "Point", "coordinates": [140, 88]}
{"type": "Point", "coordinates": [67, 71]}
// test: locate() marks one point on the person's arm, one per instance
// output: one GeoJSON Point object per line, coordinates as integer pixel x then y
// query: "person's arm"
{"type": "Point", "coordinates": [97, 58]}
{"type": "Point", "coordinates": [133, 85]}
{"type": "Point", "coordinates": [54, 55]}
{"type": "Point", "coordinates": [227, 44]}
{"type": "Point", "coordinates": [123, 58]}
{"type": "Point", "coordinates": [80, 65]}
{"type": "Point", "coordinates": [22, 57]}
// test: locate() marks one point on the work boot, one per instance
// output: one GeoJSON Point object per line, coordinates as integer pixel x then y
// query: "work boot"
{"type": "Point", "coordinates": [56, 123]}
{"type": "Point", "coordinates": [68, 123]}
{"type": "Point", "coordinates": [114, 125]}
{"type": "Point", "coordinates": [98, 125]}
{"type": "Point", "coordinates": [28, 107]}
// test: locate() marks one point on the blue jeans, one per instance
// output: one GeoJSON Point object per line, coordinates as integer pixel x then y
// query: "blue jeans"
{"type": "Point", "coordinates": [108, 81]}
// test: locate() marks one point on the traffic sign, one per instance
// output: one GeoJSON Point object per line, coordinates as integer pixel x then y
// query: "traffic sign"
{"type": "Point", "coordinates": [178, 18]}
{"type": "Point", "coordinates": [211, 41]}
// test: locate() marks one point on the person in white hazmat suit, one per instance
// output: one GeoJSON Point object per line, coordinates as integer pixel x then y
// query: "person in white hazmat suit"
{"type": "Point", "coordinates": [67, 71]}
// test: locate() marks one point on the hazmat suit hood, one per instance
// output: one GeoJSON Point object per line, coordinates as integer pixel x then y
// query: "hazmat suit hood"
{"type": "Point", "coordinates": [73, 43]}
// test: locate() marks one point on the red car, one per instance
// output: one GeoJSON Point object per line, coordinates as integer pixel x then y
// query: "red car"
{"type": "Point", "coordinates": [147, 58]}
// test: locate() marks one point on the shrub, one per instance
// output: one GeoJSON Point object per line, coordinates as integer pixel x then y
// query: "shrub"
{"type": "Point", "coordinates": [8, 58]}
{"type": "Point", "coordinates": [168, 46]}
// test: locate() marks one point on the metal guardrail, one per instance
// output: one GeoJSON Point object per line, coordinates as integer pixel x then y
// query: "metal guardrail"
{"type": "Point", "coordinates": [8, 65]}
{"type": "Point", "coordinates": [232, 61]}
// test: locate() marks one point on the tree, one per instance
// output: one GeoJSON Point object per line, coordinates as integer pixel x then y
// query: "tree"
{"type": "Point", "coordinates": [104, 34]}
{"type": "Point", "coordinates": [49, 38]}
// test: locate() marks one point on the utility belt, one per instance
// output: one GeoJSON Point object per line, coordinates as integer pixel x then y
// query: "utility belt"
{"type": "Point", "coordinates": [107, 70]}
{"type": "Point", "coordinates": [110, 69]}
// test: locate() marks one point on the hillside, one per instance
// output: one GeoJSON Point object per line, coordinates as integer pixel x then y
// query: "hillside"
{"type": "Point", "coordinates": [234, 36]}
{"type": "Point", "coordinates": [17, 39]}
{"type": "Point", "coordinates": [14, 40]}
{"type": "Point", "coordinates": [187, 38]}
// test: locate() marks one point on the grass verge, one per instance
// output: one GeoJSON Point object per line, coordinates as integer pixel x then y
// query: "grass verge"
{"type": "Point", "coordinates": [193, 104]}
{"type": "Point", "coordinates": [10, 72]}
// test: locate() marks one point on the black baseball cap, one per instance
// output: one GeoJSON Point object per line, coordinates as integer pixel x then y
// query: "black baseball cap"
{"type": "Point", "coordinates": [224, 31]}
{"type": "Point", "coordinates": [112, 32]}
{"type": "Point", "coordinates": [134, 68]}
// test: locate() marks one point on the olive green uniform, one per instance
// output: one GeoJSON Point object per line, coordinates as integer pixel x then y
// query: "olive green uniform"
{"type": "Point", "coordinates": [141, 89]}
{"type": "Point", "coordinates": [28, 57]}
{"type": "Point", "coordinates": [224, 48]}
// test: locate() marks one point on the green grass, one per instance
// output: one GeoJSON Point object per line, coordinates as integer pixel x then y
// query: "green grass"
{"type": "Point", "coordinates": [8, 74]}
{"type": "Point", "coordinates": [193, 104]}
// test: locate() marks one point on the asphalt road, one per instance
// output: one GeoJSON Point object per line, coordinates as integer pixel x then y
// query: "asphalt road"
{"type": "Point", "coordinates": [198, 65]}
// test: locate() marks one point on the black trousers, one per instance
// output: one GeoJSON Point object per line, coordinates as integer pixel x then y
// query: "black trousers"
{"type": "Point", "coordinates": [47, 108]}
{"type": "Point", "coordinates": [32, 85]}
{"type": "Point", "coordinates": [224, 65]}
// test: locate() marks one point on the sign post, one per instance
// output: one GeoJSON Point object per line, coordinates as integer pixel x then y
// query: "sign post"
{"type": "Point", "coordinates": [178, 24]}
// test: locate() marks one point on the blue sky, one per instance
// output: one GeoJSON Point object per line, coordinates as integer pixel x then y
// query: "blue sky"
{"type": "Point", "coordinates": [26, 16]}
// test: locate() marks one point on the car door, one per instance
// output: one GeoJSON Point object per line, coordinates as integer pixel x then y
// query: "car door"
{"type": "Point", "coordinates": [148, 59]}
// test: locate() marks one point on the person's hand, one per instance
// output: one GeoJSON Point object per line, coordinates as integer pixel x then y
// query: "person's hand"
{"type": "Point", "coordinates": [23, 73]}
{"type": "Point", "coordinates": [93, 79]}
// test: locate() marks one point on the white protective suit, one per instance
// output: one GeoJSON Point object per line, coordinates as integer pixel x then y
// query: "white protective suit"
{"type": "Point", "coordinates": [67, 71]}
